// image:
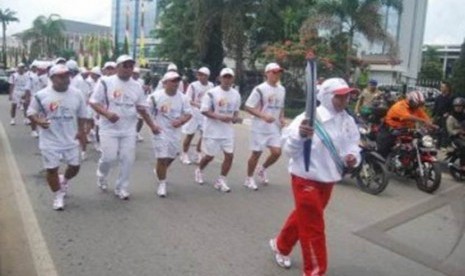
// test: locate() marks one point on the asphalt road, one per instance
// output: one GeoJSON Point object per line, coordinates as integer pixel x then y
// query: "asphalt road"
{"type": "Point", "coordinates": [197, 230]}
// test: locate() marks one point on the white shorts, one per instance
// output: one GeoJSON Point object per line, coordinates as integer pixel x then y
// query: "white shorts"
{"type": "Point", "coordinates": [213, 146]}
{"type": "Point", "coordinates": [261, 141]}
{"type": "Point", "coordinates": [166, 148]}
{"type": "Point", "coordinates": [52, 158]}
{"type": "Point", "coordinates": [90, 113]}
{"type": "Point", "coordinates": [17, 97]}
{"type": "Point", "coordinates": [192, 126]}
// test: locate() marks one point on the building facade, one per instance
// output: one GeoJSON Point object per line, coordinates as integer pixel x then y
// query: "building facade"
{"type": "Point", "coordinates": [135, 20]}
{"type": "Point", "coordinates": [447, 54]}
{"type": "Point", "coordinates": [407, 30]}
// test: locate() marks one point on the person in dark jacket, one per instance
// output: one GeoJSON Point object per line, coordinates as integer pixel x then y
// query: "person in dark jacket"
{"type": "Point", "coordinates": [442, 108]}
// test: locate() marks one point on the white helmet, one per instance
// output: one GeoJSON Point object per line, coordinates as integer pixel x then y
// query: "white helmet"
{"type": "Point", "coordinates": [415, 98]}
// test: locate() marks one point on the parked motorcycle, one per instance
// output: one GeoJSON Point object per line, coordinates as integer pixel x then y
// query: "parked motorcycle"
{"type": "Point", "coordinates": [414, 156]}
{"type": "Point", "coordinates": [371, 174]}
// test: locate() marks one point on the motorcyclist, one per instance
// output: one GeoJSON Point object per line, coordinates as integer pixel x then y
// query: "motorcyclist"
{"type": "Point", "coordinates": [368, 99]}
{"type": "Point", "coordinates": [455, 124]}
{"type": "Point", "coordinates": [403, 114]}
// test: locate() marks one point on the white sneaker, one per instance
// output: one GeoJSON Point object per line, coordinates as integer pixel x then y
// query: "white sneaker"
{"type": "Point", "coordinates": [185, 158]}
{"type": "Point", "coordinates": [261, 174]}
{"type": "Point", "coordinates": [250, 183]}
{"type": "Point", "coordinates": [64, 186]}
{"type": "Point", "coordinates": [281, 260]}
{"type": "Point", "coordinates": [26, 121]}
{"type": "Point", "coordinates": [83, 155]}
{"type": "Point", "coordinates": [34, 134]}
{"type": "Point", "coordinates": [122, 194]}
{"type": "Point", "coordinates": [102, 183]}
{"type": "Point", "coordinates": [139, 138]}
{"type": "Point", "coordinates": [13, 122]}
{"type": "Point", "coordinates": [198, 176]}
{"type": "Point", "coordinates": [59, 201]}
{"type": "Point", "coordinates": [161, 191]}
{"type": "Point", "coordinates": [221, 185]}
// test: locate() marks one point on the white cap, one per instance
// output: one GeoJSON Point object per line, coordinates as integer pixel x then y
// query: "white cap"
{"type": "Point", "coordinates": [58, 69]}
{"type": "Point", "coordinates": [34, 63]}
{"type": "Point", "coordinates": [124, 58]}
{"type": "Point", "coordinates": [273, 67]}
{"type": "Point", "coordinates": [170, 75]}
{"type": "Point", "coordinates": [60, 59]}
{"type": "Point", "coordinates": [42, 64]}
{"type": "Point", "coordinates": [204, 70]}
{"type": "Point", "coordinates": [227, 71]}
{"type": "Point", "coordinates": [136, 70]}
{"type": "Point", "coordinates": [21, 65]}
{"type": "Point", "coordinates": [172, 67]}
{"type": "Point", "coordinates": [336, 86]}
{"type": "Point", "coordinates": [72, 65]}
{"type": "Point", "coordinates": [109, 64]}
{"type": "Point", "coordinates": [96, 70]}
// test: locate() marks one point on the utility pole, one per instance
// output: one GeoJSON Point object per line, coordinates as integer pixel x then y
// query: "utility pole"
{"type": "Point", "coordinates": [117, 21]}
{"type": "Point", "coordinates": [136, 28]}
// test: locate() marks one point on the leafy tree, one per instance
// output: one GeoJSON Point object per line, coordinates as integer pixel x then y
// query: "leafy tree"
{"type": "Point", "coordinates": [6, 16]}
{"type": "Point", "coordinates": [431, 68]}
{"type": "Point", "coordinates": [46, 36]}
{"type": "Point", "coordinates": [349, 17]}
{"type": "Point", "coordinates": [177, 36]}
{"type": "Point", "coordinates": [458, 73]}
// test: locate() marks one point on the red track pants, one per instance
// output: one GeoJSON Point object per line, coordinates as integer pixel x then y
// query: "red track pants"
{"type": "Point", "coordinates": [306, 224]}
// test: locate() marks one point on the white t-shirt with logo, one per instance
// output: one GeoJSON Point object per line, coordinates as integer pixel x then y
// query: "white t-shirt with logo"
{"type": "Point", "coordinates": [270, 100]}
{"type": "Point", "coordinates": [80, 84]}
{"type": "Point", "coordinates": [21, 82]}
{"type": "Point", "coordinates": [164, 109]}
{"type": "Point", "coordinates": [195, 92]}
{"type": "Point", "coordinates": [224, 103]}
{"type": "Point", "coordinates": [62, 109]}
{"type": "Point", "coordinates": [123, 98]}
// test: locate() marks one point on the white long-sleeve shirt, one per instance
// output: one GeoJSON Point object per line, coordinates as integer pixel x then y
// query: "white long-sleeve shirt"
{"type": "Point", "coordinates": [344, 133]}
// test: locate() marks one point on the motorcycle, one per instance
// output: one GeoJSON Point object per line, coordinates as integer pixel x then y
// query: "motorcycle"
{"type": "Point", "coordinates": [414, 156]}
{"type": "Point", "coordinates": [453, 158]}
{"type": "Point", "coordinates": [371, 174]}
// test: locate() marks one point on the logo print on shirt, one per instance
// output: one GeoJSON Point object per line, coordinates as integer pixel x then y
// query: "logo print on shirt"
{"type": "Point", "coordinates": [165, 108]}
{"type": "Point", "coordinates": [117, 94]}
{"type": "Point", "coordinates": [222, 102]}
{"type": "Point", "coordinates": [53, 106]}
{"type": "Point", "coordinates": [271, 100]}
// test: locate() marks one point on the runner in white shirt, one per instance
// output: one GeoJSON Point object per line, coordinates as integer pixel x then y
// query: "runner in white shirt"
{"type": "Point", "coordinates": [171, 68]}
{"type": "Point", "coordinates": [195, 93]}
{"type": "Point", "coordinates": [20, 92]}
{"type": "Point", "coordinates": [59, 110]}
{"type": "Point", "coordinates": [146, 88]}
{"type": "Point", "coordinates": [109, 68]}
{"type": "Point", "coordinates": [266, 104]}
{"type": "Point", "coordinates": [37, 83]}
{"type": "Point", "coordinates": [221, 108]}
{"type": "Point", "coordinates": [170, 110]}
{"type": "Point", "coordinates": [91, 130]}
{"type": "Point", "coordinates": [118, 99]}
{"type": "Point", "coordinates": [78, 82]}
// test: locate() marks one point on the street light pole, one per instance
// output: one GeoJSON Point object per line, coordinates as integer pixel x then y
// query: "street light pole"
{"type": "Point", "coordinates": [136, 28]}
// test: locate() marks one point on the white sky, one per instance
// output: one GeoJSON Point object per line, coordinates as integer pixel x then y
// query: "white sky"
{"type": "Point", "coordinates": [445, 23]}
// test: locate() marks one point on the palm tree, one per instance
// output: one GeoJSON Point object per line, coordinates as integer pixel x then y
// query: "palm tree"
{"type": "Point", "coordinates": [46, 35]}
{"type": "Point", "coordinates": [6, 16]}
{"type": "Point", "coordinates": [359, 16]}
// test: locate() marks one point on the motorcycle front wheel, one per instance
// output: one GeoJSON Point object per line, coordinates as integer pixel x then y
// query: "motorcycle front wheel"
{"type": "Point", "coordinates": [431, 179]}
{"type": "Point", "coordinates": [372, 177]}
